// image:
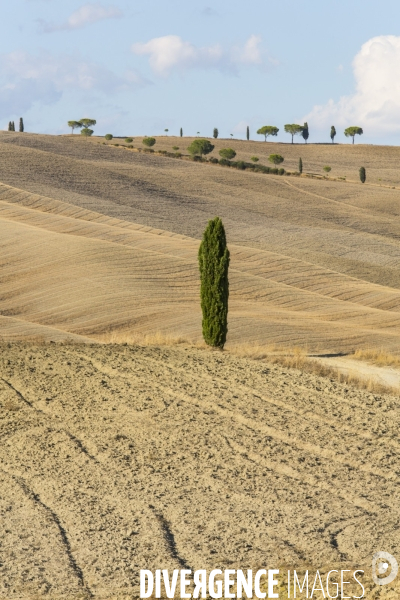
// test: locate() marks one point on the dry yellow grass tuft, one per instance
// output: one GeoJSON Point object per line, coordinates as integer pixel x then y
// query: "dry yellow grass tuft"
{"type": "Point", "coordinates": [378, 357]}
{"type": "Point", "coordinates": [158, 338]}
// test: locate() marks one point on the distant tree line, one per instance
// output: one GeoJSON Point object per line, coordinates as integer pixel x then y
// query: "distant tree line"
{"type": "Point", "coordinates": [267, 131]}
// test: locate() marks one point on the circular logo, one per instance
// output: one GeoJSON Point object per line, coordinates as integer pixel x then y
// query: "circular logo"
{"type": "Point", "coordinates": [381, 561]}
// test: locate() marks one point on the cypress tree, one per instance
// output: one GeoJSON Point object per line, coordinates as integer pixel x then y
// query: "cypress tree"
{"type": "Point", "coordinates": [248, 133]}
{"type": "Point", "coordinates": [214, 285]}
{"type": "Point", "coordinates": [333, 133]}
{"type": "Point", "coordinates": [21, 125]}
{"type": "Point", "coordinates": [181, 132]}
{"type": "Point", "coordinates": [215, 133]}
{"type": "Point", "coordinates": [300, 166]}
{"type": "Point", "coordinates": [13, 125]}
{"type": "Point", "coordinates": [9, 126]}
{"type": "Point", "coordinates": [305, 133]}
{"type": "Point", "coordinates": [362, 174]}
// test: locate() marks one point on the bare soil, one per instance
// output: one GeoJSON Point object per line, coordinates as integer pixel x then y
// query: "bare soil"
{"type": "Point", "coordinates": [116, 458]}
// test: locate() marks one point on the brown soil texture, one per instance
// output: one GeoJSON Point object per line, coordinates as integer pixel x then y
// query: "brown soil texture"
{"type": "Point", "coordinates": [99, 239]}
{"type": "Point", "coordinates": [116, 458]}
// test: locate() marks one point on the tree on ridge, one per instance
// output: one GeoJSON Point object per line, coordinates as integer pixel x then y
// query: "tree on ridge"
{"type": "Point", "coordinates": [353, 131]}
{"type": "Point", "coordinates": [305, 133]}
{"type": "Point", "coordinates": [293, 129]}
{"type": "Point", "coordinates": [268, 130]}
{"type": "Point", "coordinates": [74, 125]}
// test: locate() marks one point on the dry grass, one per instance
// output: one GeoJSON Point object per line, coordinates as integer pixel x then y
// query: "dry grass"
{"type": "Point", "coordinates": [158, 338]}
{"type": "Point", "coordinates": [378, 357]}
{"type": "Point", "coordinates": [297, 358]}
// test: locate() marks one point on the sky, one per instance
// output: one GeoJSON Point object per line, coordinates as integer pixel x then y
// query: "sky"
{"type": "Point", "coordinates": [139, 68]}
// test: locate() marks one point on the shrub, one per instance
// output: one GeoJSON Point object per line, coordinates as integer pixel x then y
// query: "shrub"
{"type": "Point", "coordinates": [225, 162]}
{"type": "Point", "coordinates": [214, 160]}
{"type": "Point", "coordinates": [197, 158]}
{"type": "Point", "coordinates": [214, 285]}
{"type": "Point", "coordinates": [262, 169]}
{"type": "Point", "coordinates": [149, 141]}
{"type": "Point", "coordinates": [241, 165]}
{"type": "Point", "coordinates": [255, 159]}
{"type": "Point", "coordinates": [178, 154]}
{"type": "Point", "coordinates": [327, 169]}
{"type": "Point", "coordinates": [276, 159]}
{"type": "Point", "coordinates": [175, 147]}
{"type": "Point", "coordinates": [109, 136]}
{"type": "Point", "coordinates": [228, 153]}
{"type": "Point", "coordinates": [362, 174]}
{"type": "Point", "coordinates": [281, 171]}
{"type": "Point", "coordinates": [200, 147]}
{"type": "Point", "coordinates": [162, 152]}
{"type": "Point", "coordinates": [86, 132]}
{"type": "Point", "coordinates": [274, 171]}
{"type": "Point", "coordinates": [129, 140]}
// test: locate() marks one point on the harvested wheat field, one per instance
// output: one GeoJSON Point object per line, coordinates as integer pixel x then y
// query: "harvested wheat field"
{"type": "Point", "coordinates": [100, 241]}
{"type": "Point", "coordinates": [116, 458]}
{"type": "Point", "coordinates": [119, 452]}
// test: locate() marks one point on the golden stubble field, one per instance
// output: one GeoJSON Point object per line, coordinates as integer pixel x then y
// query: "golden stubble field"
{"type": "Point", "coordinates": [116, 457]}
{"type": "Point", "coordinates": [108, 239]}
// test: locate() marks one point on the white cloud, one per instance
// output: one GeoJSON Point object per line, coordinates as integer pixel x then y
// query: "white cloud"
{"type": "Point", "coordinates": [171, 53]}
{"type": "Point", "coordinates": [375, 104]}
{"type": "Point", "coordinates": [85, 15]}
{"type": "Point", "coordinates": [26, 79]}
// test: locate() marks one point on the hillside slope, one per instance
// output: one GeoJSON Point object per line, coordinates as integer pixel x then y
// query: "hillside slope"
{"type": "Point", "coordinates": [71, 272]}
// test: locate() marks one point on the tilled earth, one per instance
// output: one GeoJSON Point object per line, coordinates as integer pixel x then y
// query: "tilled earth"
{"type": "Point", "coordinates": [117, 458]}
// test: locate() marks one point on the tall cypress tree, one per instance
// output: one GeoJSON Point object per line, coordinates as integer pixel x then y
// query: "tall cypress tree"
{"type": "Point", "coordinates": [300, 166]}
{"type": "Point", "coordinates": [215, 133]}
{"type": "Point", "coordinates": [13, 125]}
{"type": "Point", "coordinates": [9, 126]}
{"type": "Point", "coordinates": [333, 133]}
{"type": "Point", "coordinates": [305, 133]}
{"type": "Point", "coordinates": [21, 125]}
{"type": "Point", "coordinates": [362, 174]}
{"type": "Point", "coordinates": [181, 132]}
{"type": "Point", "coordinates": [248, 133]}
{"type": "Point", "coordinates": [214, 285]}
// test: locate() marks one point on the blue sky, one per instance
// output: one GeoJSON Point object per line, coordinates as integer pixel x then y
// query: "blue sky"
{"type": "Point", "coordinates": [141, 67]}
